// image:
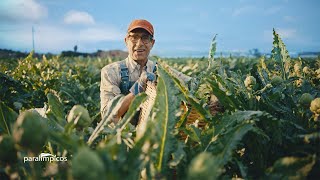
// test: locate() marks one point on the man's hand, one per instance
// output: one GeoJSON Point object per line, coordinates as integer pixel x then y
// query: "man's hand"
{"type": "Point", "coordinates": [140, 85]}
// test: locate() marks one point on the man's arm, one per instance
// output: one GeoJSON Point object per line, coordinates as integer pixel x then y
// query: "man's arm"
{"type": "Point", "coordinates": [109, 89]}
{"type": "Point", "coordinates": [124, 106]}
{"type": "Point", "coordinates": [138, 87]}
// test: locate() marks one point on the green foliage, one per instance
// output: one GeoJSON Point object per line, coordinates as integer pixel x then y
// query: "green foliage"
{"type": "Point", "coordinates": [84, 160]}
{"type": "Point", "coordinates": [164, 109]}
{"type": "Point", "coordinates": [269, 128]}
{"type": "Point", "coordinates": [55, 110]}
{"type": "Point", "coordinates": [280, 55]}
{"type": "Point", "coordinates": [292, 167]}
{"type": "Point", "coordinates": [7, 118]}
{"type": "Point", "coordinates": [8, 153]}
{"type": "Point", "coordinates": [24, 135]}
{"type": "Point", "coordinates": [212, 51]}
{"type": "Point", "coordinates": [79, 116]}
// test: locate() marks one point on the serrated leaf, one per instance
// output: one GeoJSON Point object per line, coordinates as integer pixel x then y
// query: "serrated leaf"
{"type": "Point", "coordinates": [110, 114]}
{"type": "Point", "coordinates": [212, 51]}
{"type": "Point", "coordinates": [163, 117]}
{"type": "Point", "coordinates": [236, 118]}
{"type": "Point", "coordinates": [7, 118]}
{"type": "Point", "coordinates": [280, 54]}
{"type": "Point", "coordinates": [229, 102]}
{"type": "Point", "coordinates": [177, 155]}
{"type": "Point", "coordinates": [222, 148]}
{"type": "Point", "coordinates": [189, 97]}
{"type": "Point", "coordinates": [194, 133]}
{"type": "Point", "coordinates": [55, 109]}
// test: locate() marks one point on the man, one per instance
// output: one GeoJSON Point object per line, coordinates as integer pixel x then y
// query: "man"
{"type": "Point", "coordinates": [129, 76]}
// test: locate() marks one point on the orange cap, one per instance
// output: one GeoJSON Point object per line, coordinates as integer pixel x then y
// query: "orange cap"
{"type": "Point", "coordinates": [141, 23]}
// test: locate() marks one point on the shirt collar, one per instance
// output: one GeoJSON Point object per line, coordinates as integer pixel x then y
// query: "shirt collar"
{"type": "Point", "coordinates": [149, 65]}
{"type": "Point", "coordinates": [134, 65]}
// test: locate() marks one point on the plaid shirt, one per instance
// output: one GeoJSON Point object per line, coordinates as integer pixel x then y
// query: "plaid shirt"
{"type": "Point", "coordinates": [111, 79]}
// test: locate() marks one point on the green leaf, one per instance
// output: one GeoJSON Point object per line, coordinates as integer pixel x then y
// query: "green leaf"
{"type": "Point", "coordinates": [229, 101]}
{"type": "Point", "coordinates": [194, 133]}
{"type": "Point", "coordinates": [177, 155]}
{"type": "Point", "coordinates": [291, 168]}
{"type": "Point", "coordinates": [190, 98]}
{"type": "Point", "coordinates": [69, 142]}
{"type": "Point", "coordinates": [280, 54]}
{"type": "Point", "coordinates": [263, 72]}
{"type": "Point", "coordinates": [312, 137]}
{"type": "Point", "coordinates": [243, 169]}
{"type": "Point", "coordinates": [229, 132]}
{"type": "Point", "coordinates": [54, 126]}
{"type": "Point", "coordinates": [212, 51]}
{"type": "Point", "coordinates": [230, 140]}
{"type": "Point", "coordinates": [183, 119]}
{"type": "Point", "coordinates": [236, 118]}
{"type": "Point", "coordinates": [163, 115]}
{"type": "Point", "coordinates": [55, 110]}
{"type": "Point", "coordinates": [7, 118]}
{"type": "Point", "coordinates": [110, 114]}
{"type": "Point", "coordinates": [221, 148]}
{"type": "Point", "coordinates": [134, 106]}
{"type": "Point", "coordinates": [204, 166]}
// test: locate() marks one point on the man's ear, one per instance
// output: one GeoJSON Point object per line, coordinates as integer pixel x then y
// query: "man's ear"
{"type": "Point", "coordinates": [153, 41]}
{"type": "Point", "coordinates": [125, 41]}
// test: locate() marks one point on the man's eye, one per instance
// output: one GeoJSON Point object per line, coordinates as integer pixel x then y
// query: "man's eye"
{"type": "Point", "coordinates": [145, 37]}
{"type": "Point", "coordinates": [135, 37]}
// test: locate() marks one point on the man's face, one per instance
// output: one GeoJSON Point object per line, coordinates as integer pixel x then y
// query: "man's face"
{"type": "Point", "coordinates": [139, 43]}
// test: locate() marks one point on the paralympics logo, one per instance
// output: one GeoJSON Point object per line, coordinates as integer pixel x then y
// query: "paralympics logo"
{"type": "Point", "coordinates": [45, 157]}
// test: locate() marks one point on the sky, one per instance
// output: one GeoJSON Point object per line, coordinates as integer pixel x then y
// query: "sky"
{"type": "Point", "coordinates": [182, 27]}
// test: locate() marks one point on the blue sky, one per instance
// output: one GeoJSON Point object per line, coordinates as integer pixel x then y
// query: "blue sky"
{"type": "Point", "coordinates": [182, 27]}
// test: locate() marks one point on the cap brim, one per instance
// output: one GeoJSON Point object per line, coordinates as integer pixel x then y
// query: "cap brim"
{"type": "Point", "coordinates": [140, 27]}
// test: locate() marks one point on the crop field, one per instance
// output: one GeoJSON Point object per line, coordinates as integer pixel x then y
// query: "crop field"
{"type": "Point", "coordinates": [238, 117]}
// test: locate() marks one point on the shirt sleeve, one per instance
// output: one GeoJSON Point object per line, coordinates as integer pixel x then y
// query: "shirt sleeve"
{"type": "Point", "coordinates": [109, 87]}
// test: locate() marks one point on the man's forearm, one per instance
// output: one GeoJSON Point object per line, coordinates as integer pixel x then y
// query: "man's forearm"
{"type": "Point", "coordinates": [125, 105]}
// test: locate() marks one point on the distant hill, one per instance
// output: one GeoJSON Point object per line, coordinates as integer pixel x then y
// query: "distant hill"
{"type": "Point", "coordinates": [10, 54]}
{"type": "Point", "coordinates": [112, 53]}
{"type": "Point", "coordinates": [309, 54]}
{"type": "Point", "coordinates": [99, 53]}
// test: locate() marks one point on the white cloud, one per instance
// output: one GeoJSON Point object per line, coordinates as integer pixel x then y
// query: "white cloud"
{"type": "Point", "coordinates": [284, 33]}
{"type": "Point", "coordinates": [64, 38]}
{"type": "Point", "coordinates": [78, 17]}
{"type": "Point", "coordinates": [287, 33]}
{"type": "Point", "coordinates": [22, 10]}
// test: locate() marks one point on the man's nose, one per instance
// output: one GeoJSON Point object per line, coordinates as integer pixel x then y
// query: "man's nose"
{"type": "Point", "coordinates": [139, 42]}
